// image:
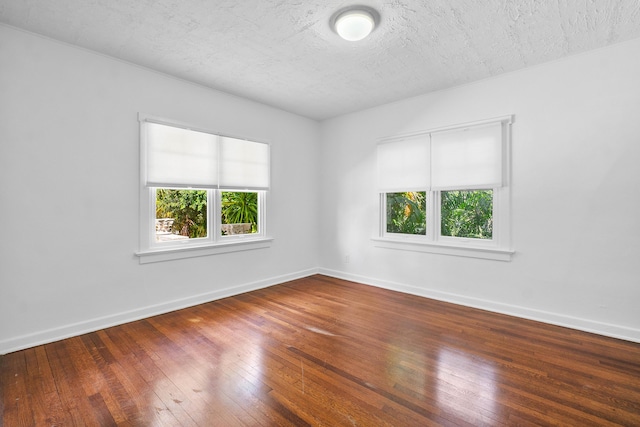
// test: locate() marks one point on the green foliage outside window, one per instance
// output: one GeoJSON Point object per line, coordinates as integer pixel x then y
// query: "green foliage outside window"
{"type": "Point", "coordinates": [240, 207]}
{"type": "Point", "coordinates": [467, 214]}
{"type": "Point", "coordinates": [187, 207]}
{"type": "Point", "coordinates": [407, 212]}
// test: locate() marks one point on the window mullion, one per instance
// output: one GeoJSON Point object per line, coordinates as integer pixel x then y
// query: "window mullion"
{"type": "Point", "coordinates": [213, 214]}
{"type": "Point", "coordinates": [433, 203]}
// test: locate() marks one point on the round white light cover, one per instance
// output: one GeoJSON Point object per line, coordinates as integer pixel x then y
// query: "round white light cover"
{"type": "Point", "coordinates": [354, 25]}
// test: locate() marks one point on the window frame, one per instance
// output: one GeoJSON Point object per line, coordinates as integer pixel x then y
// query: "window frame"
{"type": "Point", "coordinates": [215, 243]}
{"type": "Point", "coordinates": [497, 248]}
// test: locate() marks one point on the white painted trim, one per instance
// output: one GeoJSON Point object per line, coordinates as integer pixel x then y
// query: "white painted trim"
{"type": "Point", "coordinates": [506, 119]}
{"type": "Point", "coordinates": [180, 252]}
{"type": "Point", "coordinates": [585, 325]}
{"type": "Point", "coordinates": [424, 245]}
{"type": "Point", "coordinates": [98, 323]}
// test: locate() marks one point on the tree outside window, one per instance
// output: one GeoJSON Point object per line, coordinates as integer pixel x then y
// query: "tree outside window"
{"type": "Point", "coordinates": [407, 212]}
{"type": "Point", "coordinates": [187, 208]}
{"type": "Point", "coordinates": [467, 214]}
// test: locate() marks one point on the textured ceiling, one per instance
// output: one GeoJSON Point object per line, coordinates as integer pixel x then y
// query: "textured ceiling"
{"type": "Point", "coordinates": [283, 52]}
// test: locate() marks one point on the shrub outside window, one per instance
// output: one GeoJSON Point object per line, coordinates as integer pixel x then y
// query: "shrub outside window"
{"type": "Point", "coordinates": [467, 214]}
{"type": "Point", "coordinates": [239, 213]}
{"type": "Point", "coordinates": [180, 214]}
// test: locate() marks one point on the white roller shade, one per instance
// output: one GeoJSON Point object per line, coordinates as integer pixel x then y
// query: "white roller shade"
{"type": "Point", "coordinates": [179, 157]}
{"type": "Point", "coordinates": [244, 164]}
{"type": "Point", "coordinates": [403, 165]}
{"type": "Point", "coordinates": [469, 158]}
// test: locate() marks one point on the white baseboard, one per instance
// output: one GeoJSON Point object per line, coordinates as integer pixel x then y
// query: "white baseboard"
{"type": "Point", "coordinates": [75, 329]}
{"type": "Point", "coordinates": [586, 325]}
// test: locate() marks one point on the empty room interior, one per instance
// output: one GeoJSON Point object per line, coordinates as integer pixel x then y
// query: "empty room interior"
{"type": "Point", "coordinates": [319, 213]}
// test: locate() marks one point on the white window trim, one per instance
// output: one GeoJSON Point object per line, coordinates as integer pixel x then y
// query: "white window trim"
{"type": "Point", "coordinates": [498, 248]}
{"type": "Point", "coordinates": [443, 249]}
{"type": "Point", "coordinates": [168, 254]}
{"type": "Point", "coordinates": [215, 243]}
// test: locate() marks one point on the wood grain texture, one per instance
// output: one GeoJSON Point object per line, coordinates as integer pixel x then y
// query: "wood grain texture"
{"type": "Point", "coordinates": [325, 352]}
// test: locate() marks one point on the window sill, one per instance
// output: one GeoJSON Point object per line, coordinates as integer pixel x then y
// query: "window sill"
{"type": "Point", "coordinates": [491, 253]}
{"type": "Point", "coordinates": [173, 253]}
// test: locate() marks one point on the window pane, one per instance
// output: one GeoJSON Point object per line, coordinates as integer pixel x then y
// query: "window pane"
{"type": "Point", "coordinates": [407, 212]}
{"type": "Point", "coordinates": [467, 214]}
{"type": "Point", "coordinates": [180, 214]}
{"type": "Point", "coordinates": [239, 212]}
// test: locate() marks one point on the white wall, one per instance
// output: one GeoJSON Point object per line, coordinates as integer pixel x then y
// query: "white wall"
{"type": "Point", "coordinates": [69, 192]}
{"type": "Point", "coordinates": [575, 194]}
{"type": "Point", "coordinates": [69, 176]}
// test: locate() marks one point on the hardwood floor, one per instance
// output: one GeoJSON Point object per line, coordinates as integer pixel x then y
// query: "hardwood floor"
{"type": "Point", "coordinates": [325, 352]}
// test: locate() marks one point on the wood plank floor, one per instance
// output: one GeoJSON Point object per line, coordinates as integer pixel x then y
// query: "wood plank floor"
{"type": "Point", "coordinates": [325, 352]}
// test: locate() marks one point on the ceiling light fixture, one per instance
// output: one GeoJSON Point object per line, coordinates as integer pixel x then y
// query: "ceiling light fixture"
{"type": "Point", "coordinates": [355, 23]}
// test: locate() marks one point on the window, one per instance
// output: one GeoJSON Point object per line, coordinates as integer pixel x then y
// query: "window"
{"type": "Point", "coordinates": [467, 214]}
{"type": "Point", "coordinates": [200, 193]}
{"type": "Point", "coordinates": [447, 190]}
{"type": "Point", "coordinates": [180, 214]}
{"type": "Point", "coordinates": [407, 212]}
{"type": "Point", "coordinates": [239, 212]}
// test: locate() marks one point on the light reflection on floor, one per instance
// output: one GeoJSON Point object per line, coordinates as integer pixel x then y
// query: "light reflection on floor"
{"type": "Point", "coordinates": [227, 379]}
{"type": "Point", "coordinates": [464, 385]}
{"type": "Point", "coordinates": [467, 386]}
